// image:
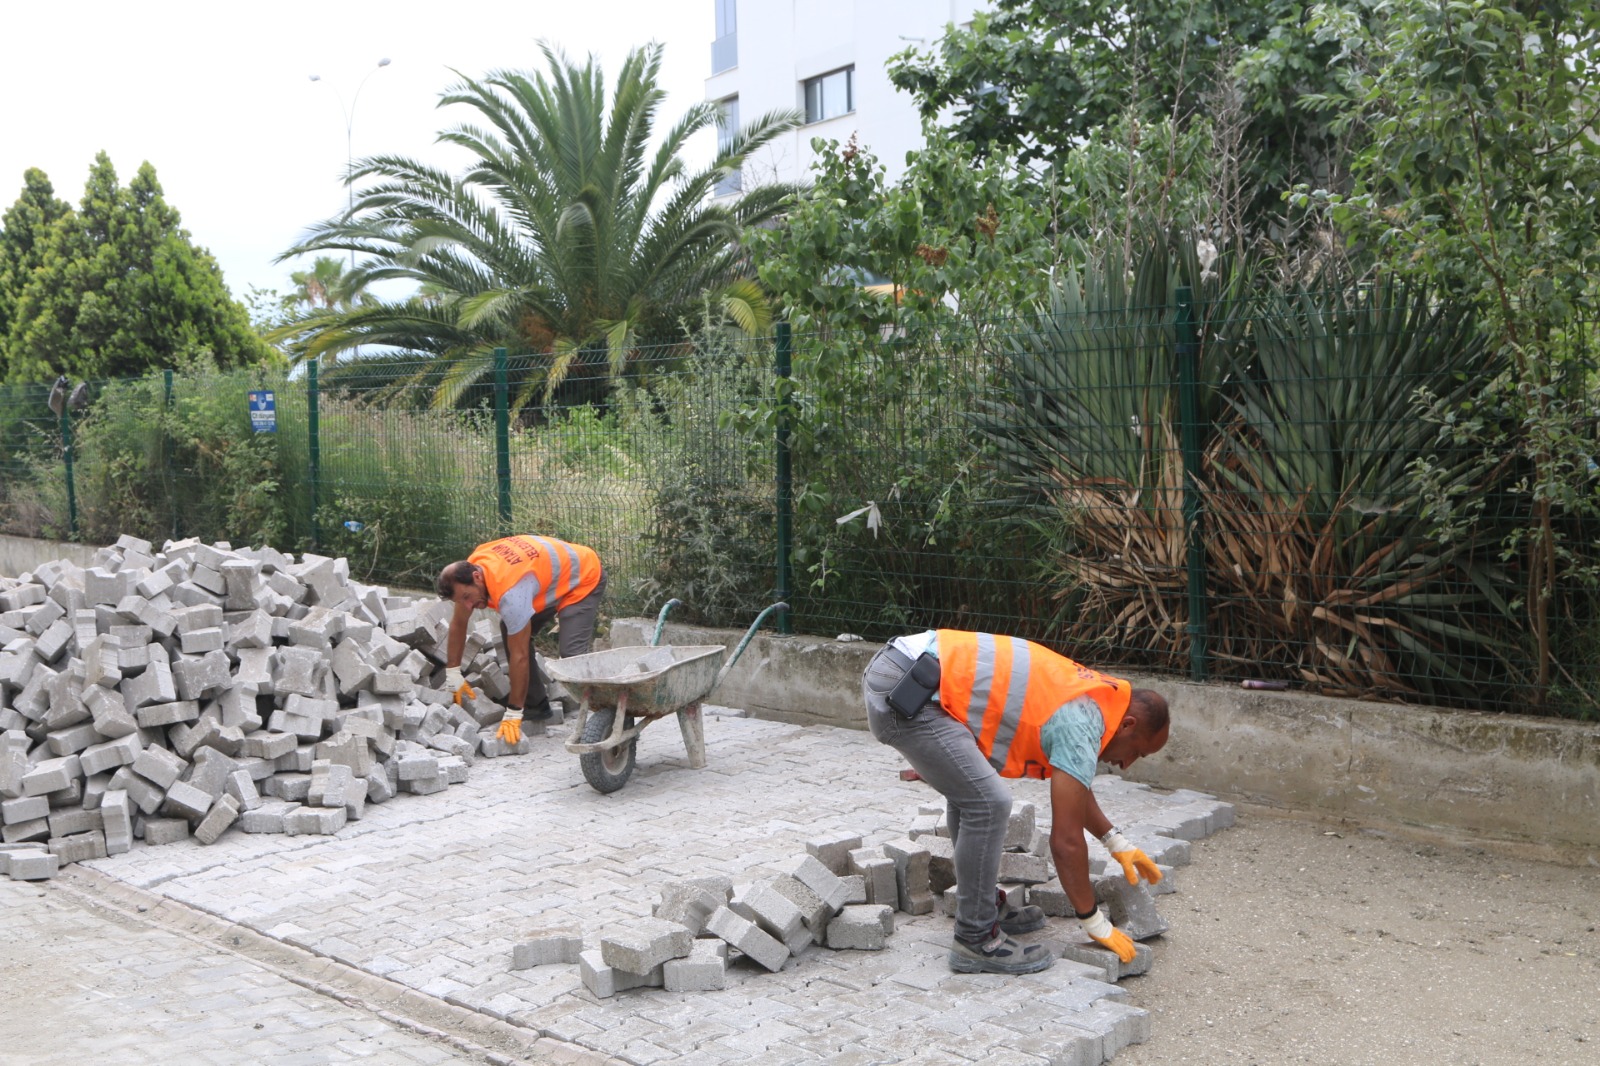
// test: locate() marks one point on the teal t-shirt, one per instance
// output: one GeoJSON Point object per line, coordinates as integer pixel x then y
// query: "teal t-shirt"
{"type": "Point", "coordinates": [1071, 738]}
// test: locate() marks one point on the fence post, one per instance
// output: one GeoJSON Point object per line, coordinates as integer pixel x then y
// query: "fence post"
{"type": "Point", "coordinates": [66, 455]}
{"type": "Point", "coordinates": [1189, 411]}
{"type": "Point", "coordinates": [502, 441]}
{"type": "Point", "coordinates": [785, 486]}
{"type": "Point", "coordinates": [166, 454]}
{"type": "Point", "coordinates": [315, 452]}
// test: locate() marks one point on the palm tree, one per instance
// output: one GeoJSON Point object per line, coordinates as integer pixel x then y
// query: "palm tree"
{"type": "Point", "coordinates": [564, 236]}
{"type": "Point", "coordinates": [326, 285]}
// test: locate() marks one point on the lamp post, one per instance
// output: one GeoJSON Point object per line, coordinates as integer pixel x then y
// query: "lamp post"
{"type": "Point", "coordinates": [349, 123]}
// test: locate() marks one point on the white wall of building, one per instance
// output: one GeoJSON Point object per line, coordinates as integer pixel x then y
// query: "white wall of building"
{"type": "Point", "coordinates": [781, 43]}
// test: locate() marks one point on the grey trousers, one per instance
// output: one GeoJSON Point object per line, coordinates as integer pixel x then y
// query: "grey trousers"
{"type": "Point", "coordinates": [575, 637]}
{"type": "Point", "coordinates": [944, 752]}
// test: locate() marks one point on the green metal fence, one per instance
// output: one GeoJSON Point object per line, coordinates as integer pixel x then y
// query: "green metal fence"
{"type": "Point", "coordinates": [1223, 491]}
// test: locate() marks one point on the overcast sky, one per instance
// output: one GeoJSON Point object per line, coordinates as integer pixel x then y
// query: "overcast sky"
{"type": "Point", "coordinates": [217, 96]}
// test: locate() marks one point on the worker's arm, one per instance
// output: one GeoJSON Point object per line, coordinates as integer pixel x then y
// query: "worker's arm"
{"type": "Point", "coordinates": [518, 646]}
{"type": "Point", "coordinates": [455, 644]}
{"type": "Point", "coordinates": [1072, 810]}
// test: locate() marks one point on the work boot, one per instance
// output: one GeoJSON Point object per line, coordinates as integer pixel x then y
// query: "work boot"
{"type": "Point", "coordinates": [539, 712]}
{"type": "Point", "coordinates": [1016, 920]}
{"type": "Point", "coordinates": [999, 953]}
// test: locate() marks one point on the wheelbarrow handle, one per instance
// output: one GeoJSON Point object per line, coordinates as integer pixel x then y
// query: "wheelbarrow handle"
{"type": "Point", "coordinates": [748, 634]}
{"type": "Point", "coordinates": [661, 620]}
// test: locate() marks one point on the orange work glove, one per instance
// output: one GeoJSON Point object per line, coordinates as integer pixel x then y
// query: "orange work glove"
{"type": "Point", "coordinates": [1102, 932]}
{"type": "Point", "coordinates": [454, 682]}
{"type": "Point", "coordinates": [1134, 862]}
{"type": "Point", "coordinates": [511, 726]}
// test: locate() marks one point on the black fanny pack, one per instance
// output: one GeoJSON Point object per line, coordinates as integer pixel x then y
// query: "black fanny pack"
{"type": "Point", "coordinates": [917, 687]}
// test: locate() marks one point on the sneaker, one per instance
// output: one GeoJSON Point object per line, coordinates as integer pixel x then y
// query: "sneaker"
{"type": "Point", "coordinates": [1016, 920]}
{"type": "Point", "coordinates": [999, 954]}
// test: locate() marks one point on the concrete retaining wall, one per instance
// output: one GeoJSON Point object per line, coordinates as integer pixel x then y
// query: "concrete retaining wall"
{"type": "Point", "coordinates": [18, 555]}
{"type": "Point", "coordinates": [1516, 779]}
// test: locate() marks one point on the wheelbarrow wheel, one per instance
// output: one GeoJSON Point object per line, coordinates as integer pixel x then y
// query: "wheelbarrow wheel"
{"type": "Point", "coordinates": [610, 769]}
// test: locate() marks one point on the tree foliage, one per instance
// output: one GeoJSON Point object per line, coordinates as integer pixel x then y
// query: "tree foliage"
{"type": "Point", "coordinates": [118, 288]}
{"type": "Point", "coordinates": [23, 231]}
{"type": "Point", "coordinates": [565, 235]}
{"type": "Point", "coordinates": [1035, 79]}
{"type": "Point", "coordinates": [1483, 175]}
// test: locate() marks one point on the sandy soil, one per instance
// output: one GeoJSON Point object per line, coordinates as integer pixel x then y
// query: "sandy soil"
{"type": "Point", "coordinates": [1304, 942]}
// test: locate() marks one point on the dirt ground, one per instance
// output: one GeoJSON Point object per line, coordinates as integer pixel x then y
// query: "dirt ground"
{"type": "Point", "coordinates": [1306, 942]}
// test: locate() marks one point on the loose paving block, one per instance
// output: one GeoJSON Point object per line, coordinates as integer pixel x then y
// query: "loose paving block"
{"type": "Point", "coordinates": [810, 871]}
{"type": "Point", "coordinates": [23, 809]}
{"type": "Point", "coordinates": [329, 783]}
{"type": "Point", "coordinates": [1025, 868]}
{"type": "Point", "coordinates": [1163, 850]}
{"type": "Point", "coordinates": [267, 818]}
{"type": "Point", "coordinates": [51, 775]}
{"type": "Point", "coordinates": [314, 821]}
{"type": "Point", "coordinates": [490, 746]}
{"type": "Point", "coordinates": [861, 928]}
{"type": "Point", "coordinates": [71, 821]}
{"type": "Point", "coordinates": [145, 795]}
{"type": "Point", "coordinates": [1131, 908]}
{"type": "Point", "coordinates": [80, 847]}
{"type": "Point", "coordinates": [242, 787]}
{"type": "Point", "coordinates": [1079, 948]}
{"type": "Point", "coordinates": [186, 801]}
{"type": "Point", "coordinates": [813, 911]}
{"type": "Point", "coordinates": [1051, 898]}
{"type": "Point", "coordinates": [455, 769]}
{"type": "Point", "coordinates": [1020, 828]}
{"type": "Point", "coordinates": [298, 671]}
{"type": "Point", "coordinates": [210, 771]}
{"type": "Point", "coordinates": [116, 815]}
{"type": "Point", "coordinates": [159, 766]}
{"type": "Point", "coordinates": [639, 945]}
{"type": "Point", "coordinates": [33, 829]}
{"type": "Point", "coordinates": [73, 740]}
{"type": "Point", "coordinates": [347, 749]}
{"type": "Point", "coordinates": [267, 745]}
{"type": "Point", "coordinates": [941, 862]}
{"type": "Point", "coordinates": [200, 641]}
{"type": "Point", "coordinates": [773, 912]}
{"type": "Point", "coordinates": [856, 888]}
{"type": "Point", "coordinates": [418, 767]}
{"type": "Point", "coordinates": [223, 813]}
{"type": "Point", "coordinates": [206, 676]}
{"type": "Point", "coordinates": [154, 685]}
{"type": "Point", "coordinates": [748, 938]}
{"type": "Point", "coordinates": [701, 971]}
{"type": "Point", "coordinates": [165, 830]}
{"type": "Point", "coordinates": [834, 851]}
{"type": "Point", "coordinates": [689, 904]}
{"type": "Point", "coordinates": [102, 664]}
{"type": "Point", "coordinates": [379, 788]}
{"type": "Point", "coordinates": [109, 714]}
{"type": "Point", "coordinates": [545, 947]}
{"type": "Point", "coordinates": [604, 981]}
{"type": "Point", "coordinates": [32, 866]}
{"type": "Point", "coordinates": [911, 876]}
{"type": "Point", "coordinates": [158, 715]}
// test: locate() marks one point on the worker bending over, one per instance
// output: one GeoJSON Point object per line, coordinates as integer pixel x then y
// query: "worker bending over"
{"type": "Point", "coordinates": [967, 709]}
{"type": "Point", "coordinates": [529, 580]}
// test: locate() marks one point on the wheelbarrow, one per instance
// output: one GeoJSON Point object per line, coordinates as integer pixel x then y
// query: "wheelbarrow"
{"type": "Point", "coordinates": [625, 689]}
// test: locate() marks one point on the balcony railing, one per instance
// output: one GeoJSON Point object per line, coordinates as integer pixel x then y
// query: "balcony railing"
{"type": "Point", "coordinates": [725, 53]}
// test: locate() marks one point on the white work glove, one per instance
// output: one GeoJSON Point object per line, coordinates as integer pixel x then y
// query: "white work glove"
{"type": "Point", "coordinates": [1102, 932]}
{"type": "Point", "coordinates": [454, 682]}
{"type": "Point", "coordinates": [1133, 861]}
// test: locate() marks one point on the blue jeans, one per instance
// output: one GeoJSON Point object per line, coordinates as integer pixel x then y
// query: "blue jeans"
{"type": "Point", "coordinates": [944, 752]}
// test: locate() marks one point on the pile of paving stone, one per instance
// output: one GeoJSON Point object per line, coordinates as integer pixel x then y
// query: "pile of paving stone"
{"type": "Point", "coordinates": [843, 896]}
{"type": "Point", "coordinates": [157, 696]}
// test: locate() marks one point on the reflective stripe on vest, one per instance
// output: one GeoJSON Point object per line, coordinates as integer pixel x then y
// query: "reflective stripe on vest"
{"type": "Point", "coordinates": [1004, 689]}
{"type": "Point", "coordinates": [563, 573]}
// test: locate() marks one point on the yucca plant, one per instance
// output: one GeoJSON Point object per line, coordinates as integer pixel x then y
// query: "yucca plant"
{"type": "Point", "coordinates": [1322, 558]}
{"type": "Point", "coordinates": [1089, 431]}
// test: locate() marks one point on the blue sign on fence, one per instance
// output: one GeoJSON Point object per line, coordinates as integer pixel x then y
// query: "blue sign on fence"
{"type": "Point", "coordinates": [264, 411]}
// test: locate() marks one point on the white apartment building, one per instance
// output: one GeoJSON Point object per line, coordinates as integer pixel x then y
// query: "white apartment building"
{"type": "Point", "coordinates": [827, 59]}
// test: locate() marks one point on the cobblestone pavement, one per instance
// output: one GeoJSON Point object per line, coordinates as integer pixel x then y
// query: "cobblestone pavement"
{"type": "Point", "coordinates": [83, 984]}
{"type": "Point", "coordinates": [429, 893]}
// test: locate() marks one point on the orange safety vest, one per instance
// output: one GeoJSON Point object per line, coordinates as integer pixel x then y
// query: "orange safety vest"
{"type": "Point", "coordinates": [1014, 686]}
{"type": "Point", "coordinates": [565, 573]}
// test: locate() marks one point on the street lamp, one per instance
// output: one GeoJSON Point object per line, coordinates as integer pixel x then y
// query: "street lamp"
{"type": "Point", "coordinates": [349, 157]}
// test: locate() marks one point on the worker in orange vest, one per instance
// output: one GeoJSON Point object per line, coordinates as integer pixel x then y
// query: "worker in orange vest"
{"type": "Point", "coordinates": [967, 709]}
{"type": "Point", "coordinates": [529, 580]}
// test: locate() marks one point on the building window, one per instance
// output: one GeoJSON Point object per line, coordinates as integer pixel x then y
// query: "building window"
{"type": "Point", "coordinates": [725, 49]}
{"type": "Point", "coordinates": [830, 95]}
{"type": "Point", "coordinates": [726, 132]}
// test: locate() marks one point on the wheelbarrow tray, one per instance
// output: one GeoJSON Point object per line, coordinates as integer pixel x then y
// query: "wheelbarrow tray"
{"type": "Point", "coordinates": [657, 680]}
